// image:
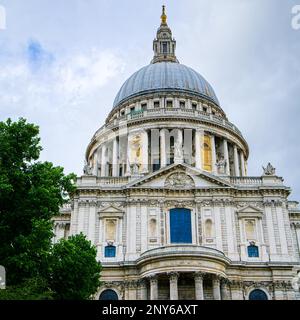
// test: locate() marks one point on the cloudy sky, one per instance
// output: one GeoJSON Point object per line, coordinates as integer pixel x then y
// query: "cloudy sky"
{"type": "Point", "coordinates": [62, 63]}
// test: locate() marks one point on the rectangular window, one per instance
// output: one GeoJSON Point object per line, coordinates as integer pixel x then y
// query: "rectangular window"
{"type": "Point", "coordinates": [204, 109]}
{"type": "Point", "coordinates": [110, 251]}
{"type": "Point", "coordinates": [194, 106]}
{"type": "Point", "coordinates": [182, 104]}
{"type": "Point", "coordinates": [253, 251]}
{"type": "Point", "coordinates": [156, 104]}
{"type": "Point", "coordinates": [132, 109]}
{"type": "Point", "coordinates": [144, 106]}
{"type": "Point", "coordinates": [165, 47]}
{"type": "Point", "coordinates": [180, 225]}
{"type": "Point", "coordinates": [169, 103]}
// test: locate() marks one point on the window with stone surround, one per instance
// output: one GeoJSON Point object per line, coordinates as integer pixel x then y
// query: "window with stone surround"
{"type": "Point", "coordinates": [110, 251]}
{"type": "Point", "coordinates": [180, 225]}
{"type": "Point", "coordinates": [253, 251]}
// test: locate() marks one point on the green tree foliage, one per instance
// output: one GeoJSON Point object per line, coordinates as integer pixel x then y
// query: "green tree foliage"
{"type": "Point", "coordinates": [31, 193]}
{"type": "Point", "coordinates": [31, 289]}
{"type": "Point", "coordinates": [74, 271]}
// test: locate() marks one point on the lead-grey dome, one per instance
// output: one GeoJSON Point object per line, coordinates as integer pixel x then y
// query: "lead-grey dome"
{"type": "Point", "coordinates": [165, 76]}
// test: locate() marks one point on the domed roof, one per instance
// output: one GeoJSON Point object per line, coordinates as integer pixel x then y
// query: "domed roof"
{"type": "Point", "coordinates": [165, 76]}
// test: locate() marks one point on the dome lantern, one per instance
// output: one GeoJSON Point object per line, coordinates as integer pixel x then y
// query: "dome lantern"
{"type": "Point", "coordinates": [164, 45]}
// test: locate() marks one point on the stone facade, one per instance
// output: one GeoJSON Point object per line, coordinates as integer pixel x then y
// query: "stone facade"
{"type": "Point", "coordinates": [174, 148]}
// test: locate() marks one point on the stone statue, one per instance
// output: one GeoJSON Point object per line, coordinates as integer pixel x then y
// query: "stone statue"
{"type": "Point", "coordinates": [135, 167]}
{"type": "Point", "coordinates": [221, 165]}
{"type": "Point", "coordinates": [87, 170]}
{"type": "Point", "coordinates": [269, 170]}
{"type": "Point", "coordinates": [179, 180]}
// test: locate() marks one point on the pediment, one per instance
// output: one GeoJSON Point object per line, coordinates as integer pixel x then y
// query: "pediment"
{"type": "Point", "coordinates": [249, 212]}
{"type": "Point", "coordinates": [110, 211]}
{"type": "Point", "coordinates": [179, 176]}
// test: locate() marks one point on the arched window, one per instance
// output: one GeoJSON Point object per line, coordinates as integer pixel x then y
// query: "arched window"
{"type": "Point", "coordinates": [108, 295]}
{"type": "Point", "coordinates": [253, 251]}
{"type": "Point", "coordinates": [180, 225]}
{"type": "Point", "coordinates": [110, 251]}
{"type": "Point", "coordinates": [258, 294]}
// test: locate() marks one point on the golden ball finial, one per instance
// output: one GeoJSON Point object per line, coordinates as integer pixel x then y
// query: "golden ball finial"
{"type": "Point", "coordinates": [163, 16]}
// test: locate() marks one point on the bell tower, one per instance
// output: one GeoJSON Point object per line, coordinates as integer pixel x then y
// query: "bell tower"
{"type": "Point", "coordinates": [164, 45]}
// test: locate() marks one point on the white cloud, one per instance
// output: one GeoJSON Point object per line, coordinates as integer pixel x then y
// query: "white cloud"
{"type": "Point", "coordinates": [65, 82]}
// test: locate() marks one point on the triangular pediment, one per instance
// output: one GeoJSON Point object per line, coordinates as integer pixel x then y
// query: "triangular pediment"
{"type": "Point", "coordinates": [249, 212]}
{"type": "Point", "coordinates": [179, 176]}
{"type": "Point", "coordinates": [110, 211]}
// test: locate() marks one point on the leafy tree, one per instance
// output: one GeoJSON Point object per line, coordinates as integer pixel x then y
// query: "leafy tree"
{"type": "Point", "coordinates": [31, 193]}
{"type": "Point", "coordinates": [31, 289]}
{"type": "Point", "coordinates": [75, 271]}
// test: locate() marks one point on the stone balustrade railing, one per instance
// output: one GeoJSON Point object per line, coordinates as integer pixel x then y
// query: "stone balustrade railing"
{"type": "Point", "coordinates": [92, 180]}
{"type": "Point", "coordinates": [112, 180]}
{"type": "Point", "coordinates": [256, 181]}
{"type": "Point", "coordinates": [159, 112]}
{"type": "Point", "coordinates": [182, 249]}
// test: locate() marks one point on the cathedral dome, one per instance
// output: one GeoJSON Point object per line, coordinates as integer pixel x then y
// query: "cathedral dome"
{"type": "Point", "coordinates": [165, 76]}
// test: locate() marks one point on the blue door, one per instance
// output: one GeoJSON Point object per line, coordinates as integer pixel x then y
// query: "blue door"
{"type": "Point", "coordinates": [180, 225]}
{"type": "Point", "coordinates": [258, 295]}
{"type": "Point", "coordinates": [108, 295]}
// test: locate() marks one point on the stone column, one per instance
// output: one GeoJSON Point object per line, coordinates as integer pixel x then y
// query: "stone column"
{"type": "Point", "coordinates": [236, 290]}
{"type": "Point", "coordinates": [297, 230]}
{"type": "Point", "coordinates": [178, 157]}
{"type": "Point", "coordinates": [92, 221]}
{"type": "Point", "coordinates": [153, 288]}
{"type": "Point", "coordinates": [236, 161]}
{"type": "Point", "coordinates": [271, 232]}
{"type": "Point", "coordinates": [60, 231]}
{"type": "Point", "coordinates": [198, 151]}
{"type": "Point", "coordinates": [95, 168]}
{"type": "Point", "coordinates": [242, 163]}
{"type": "Point", "coordinates": [279, 288]}
{"type": "Point", "coordinates": [226, 156]}
{"type": "Point", "coordinates": [145, 154]}
{"type": "Point", "coordinates": [213, 154]}
{"type": "Point", "coordinates": [173, 278]}
{"type": "Point", "coordinates": [163, 148]}
{"type": "Point", "coordinates": [132, 292]}
{"type": "Point", "coordinates": [128, 169]}
{"type": "Point", "coordinates": [216, 288]}
{"type": "Point", "coordinates": [198, 276]}
{"type": "Point", "coordinates": [143, 289]}
{"type": "Point", "coordinates": [103, 160]}
{"type": "Point", "coordinates": [225, 294]}
{"type": "Point", "coordinates": [115, 161]}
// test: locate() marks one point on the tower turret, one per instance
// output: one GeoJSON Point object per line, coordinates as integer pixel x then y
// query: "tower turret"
{"type": "Point", "coordinates": [164, 45]}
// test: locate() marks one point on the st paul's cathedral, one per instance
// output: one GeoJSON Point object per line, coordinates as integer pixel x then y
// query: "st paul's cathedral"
{"type": "Point", "coordinates": [166, 199]}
